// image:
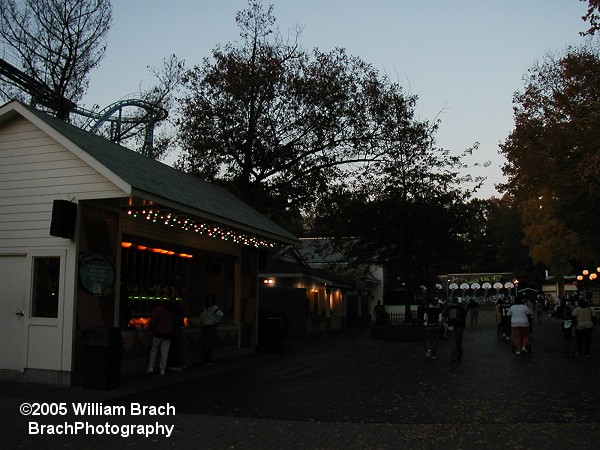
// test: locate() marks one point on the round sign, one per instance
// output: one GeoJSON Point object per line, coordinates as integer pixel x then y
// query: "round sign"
{"type": "Point", "coordinates": [96, 274]}
{"type": "Point", "coordinates": [475, 286]}
{"type": "Point", "coordinates": [464, 286]}
{"type": "Point", "coordinates": [486, 285]}
{"type": "Point", "coordinates": [498, 285]}
{"type": "Point", "coordinates": [453, 286]}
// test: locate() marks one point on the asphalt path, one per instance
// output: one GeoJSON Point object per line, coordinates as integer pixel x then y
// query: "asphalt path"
{"type": "Point", "coordinates": [350, 377]}
{"type": "Point", "coordinates": [344, 391]}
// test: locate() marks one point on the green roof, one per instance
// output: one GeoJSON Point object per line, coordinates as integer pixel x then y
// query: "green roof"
{"type": "Point", "coordinates": [158, 179]}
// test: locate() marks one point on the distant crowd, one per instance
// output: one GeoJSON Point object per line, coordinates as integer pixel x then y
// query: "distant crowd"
{"type": "Point", "coordinates": [515, 317]}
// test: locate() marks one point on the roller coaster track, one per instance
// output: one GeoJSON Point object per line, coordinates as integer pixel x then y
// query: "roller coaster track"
{"type": "Point", "coordinates": [42, 94]}
{"type": "Point", "coordinates": [122, 123]}
{"type": "Point", "coordinates": [117, 115]}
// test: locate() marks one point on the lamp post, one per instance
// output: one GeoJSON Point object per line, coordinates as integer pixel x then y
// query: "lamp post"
{"type": "Point", "coordinates": [584, 280]}
{"type": "Point", "coordinates": [453, 287]}
{"type": "Point", "coordinates": [498, 286]}
{"type": "Point", "coordinates": [487, 286]}
{"type": "Point", "coordinates": [438, 289]}
{"type": "Point", "coordinates": [579, 285]}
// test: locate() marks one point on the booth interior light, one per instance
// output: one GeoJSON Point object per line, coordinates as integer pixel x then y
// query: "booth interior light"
{"type": "Point", "coordinates": [160, 251]}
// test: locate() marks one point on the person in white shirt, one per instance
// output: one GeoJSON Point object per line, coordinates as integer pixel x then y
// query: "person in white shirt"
{"type": "Point", "coordinates": [519, 322]}
{"type": "Point", "coordinates": [583, 316]}
{"type": "Point", "coordinates": [211, 316]}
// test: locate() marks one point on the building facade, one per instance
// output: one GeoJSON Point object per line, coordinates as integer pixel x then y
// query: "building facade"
{"type": "Point", "coordinates": [92, 235]}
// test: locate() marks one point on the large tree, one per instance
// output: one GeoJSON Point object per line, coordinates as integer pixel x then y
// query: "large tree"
{"type": "Point", "coordinates": [553, 158]}
{"type": "Point", "coordinates": [494, 240]}
{"type": "Point", "coordinates": [410, 215]}
{"type": "Point", "coordinates": [55, 43]}
{"type": "Point", "coordinates": [279, 125]}
{"type": "Point", "coordinates": [592, 16]}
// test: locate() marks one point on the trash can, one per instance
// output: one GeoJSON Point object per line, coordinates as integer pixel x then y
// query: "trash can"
{"type": "Point", "coordinates": [272, 331]}
{"type": "Point", "coordinates": [101, 358]}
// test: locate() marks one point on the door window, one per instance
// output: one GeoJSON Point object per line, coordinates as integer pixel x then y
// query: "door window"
{"type": "Point", "coordinates": [46, 284]}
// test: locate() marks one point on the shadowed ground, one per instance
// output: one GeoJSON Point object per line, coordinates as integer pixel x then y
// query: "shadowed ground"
{"type": "Point", "coordinates": [352, 378]}
{"type": "Point", "coordinates": [350, 391]}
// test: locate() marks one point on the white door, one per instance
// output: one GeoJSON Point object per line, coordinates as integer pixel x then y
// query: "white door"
{"type": "Point", "coordinates": [45, 295]}
{"type": "Point", "coordinates": [14, 308]}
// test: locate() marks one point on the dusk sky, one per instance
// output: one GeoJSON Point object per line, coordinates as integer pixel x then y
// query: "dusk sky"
{"type": "Point", "coordinates": [464, 59]}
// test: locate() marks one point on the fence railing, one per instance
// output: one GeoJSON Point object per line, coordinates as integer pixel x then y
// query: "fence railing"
{"type": "Point", "coordinates": [396, 319]}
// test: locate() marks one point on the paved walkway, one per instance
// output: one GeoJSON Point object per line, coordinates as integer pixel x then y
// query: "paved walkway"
{"type": "Point", "coordinates": [342, 391]}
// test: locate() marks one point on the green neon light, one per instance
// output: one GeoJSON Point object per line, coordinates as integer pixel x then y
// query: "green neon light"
{"type": "Point", "coordinates": [143, 297]}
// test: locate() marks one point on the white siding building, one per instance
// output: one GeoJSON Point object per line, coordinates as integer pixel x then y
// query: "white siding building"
{"type": "Point", "coordinates": [126, 206]}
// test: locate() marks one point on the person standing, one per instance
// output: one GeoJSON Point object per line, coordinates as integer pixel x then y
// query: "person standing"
{"type": "Point", "coordinates": [473, 308]}
{"type": "Point", "coordinates": [379, 312]}
{"type": "Point", "coordinates": [531, 307]}
{"type": "Point", "coordinates": [161, 325]}
{"type": "Point", "coordinates": [540, 305]}
{"type": "Point", "coordinates": [432, 319]}
{"type": "Point", "coordinates": [568, 331]}
{"type": "Point", "coordinates": [583, 317]}
{"type": "Point", "coordinates": [519, 322]}
{"type": "Point", "coordinates": [505, 318]}
{"type": "Point", "coordinates": [498, 314]}
{"type": "Point", "coordinates": [211, 316]}
{"type": "Point", "coordinates": [456, 316]}
{"type": "Point", "coordinates": [444, 324]}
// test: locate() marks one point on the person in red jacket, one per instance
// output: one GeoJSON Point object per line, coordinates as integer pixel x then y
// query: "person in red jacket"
{"type": "Point", "coordinates": [161, 324]}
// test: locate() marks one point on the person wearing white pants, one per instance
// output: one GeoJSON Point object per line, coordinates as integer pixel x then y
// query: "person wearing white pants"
{"type": "Point", "coordinates": [163, 345]}
{"type": "Point", "coordinates": [162, 326]}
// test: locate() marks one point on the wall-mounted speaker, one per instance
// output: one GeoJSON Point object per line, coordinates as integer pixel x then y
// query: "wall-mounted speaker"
{"type": "Point", "coordinates": [64, 217]}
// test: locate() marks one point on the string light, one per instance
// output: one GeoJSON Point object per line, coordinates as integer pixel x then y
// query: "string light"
{"type": "Point", "coordinates": [197, 226]}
